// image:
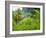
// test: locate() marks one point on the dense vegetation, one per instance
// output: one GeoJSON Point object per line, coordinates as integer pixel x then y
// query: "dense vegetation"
{"type": "Point", "coordinates": [26, 19]}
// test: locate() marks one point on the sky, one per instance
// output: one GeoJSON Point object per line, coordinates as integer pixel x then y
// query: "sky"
{"type": "Point", "coordinates": [15, 8]}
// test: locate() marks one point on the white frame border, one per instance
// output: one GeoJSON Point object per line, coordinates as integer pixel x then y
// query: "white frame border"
{"type": "Point", "coordinates": [23, 32]}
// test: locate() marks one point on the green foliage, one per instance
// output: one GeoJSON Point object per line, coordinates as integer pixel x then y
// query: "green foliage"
{"type": "Point", "coordinates": [31, 22]}
{"type": "Point", "coordinates": [17, 16]}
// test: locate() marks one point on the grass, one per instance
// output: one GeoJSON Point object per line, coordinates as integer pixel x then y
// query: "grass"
{"type": "Point", "coordinates": [26, 24]}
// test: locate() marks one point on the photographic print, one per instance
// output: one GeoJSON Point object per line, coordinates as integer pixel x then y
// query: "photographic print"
{"type": "Point", "coordinates": [24, 18]}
